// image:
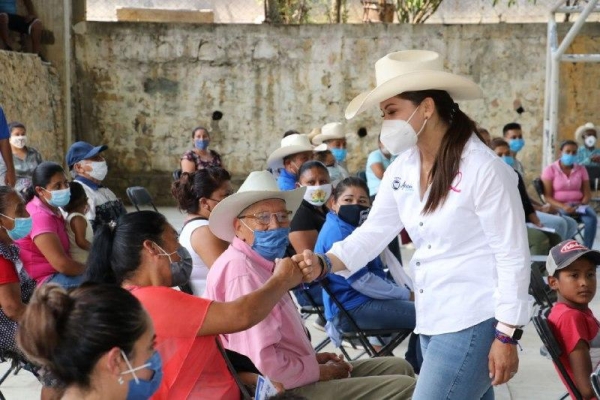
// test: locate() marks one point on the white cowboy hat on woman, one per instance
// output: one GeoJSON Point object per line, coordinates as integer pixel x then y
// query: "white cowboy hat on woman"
{"type": "Point", "coordinates": [412, 70]}
{"type": "Point", "coordinates": [260, 185]}
{"type": "Point", "coordinates": [584, 128]}
{"type": "Point", "coordinates": [292, 144]}
{"type": "Point", "coordinates": [331, 131]}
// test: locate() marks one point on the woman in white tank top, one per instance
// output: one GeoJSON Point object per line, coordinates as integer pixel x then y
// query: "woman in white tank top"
{"type": "Point", "coordinates": [197, 194]}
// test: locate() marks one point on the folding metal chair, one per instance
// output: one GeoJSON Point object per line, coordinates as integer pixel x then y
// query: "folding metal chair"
{"type": "Point", "coordinates": [362, 335]}
{"type": "Point", "coordinates": [17, 362]}
{"type": "Point", "coordinates": [139, 196]}
{"type": "Point", "coordinates": [595, 380]}
{"type": "Point", "coordinates": [540, 322]}
{"type": "Point", "coordinates": [539, 188]}
{"type": "Point", "coordinates": [594, 174]}
{"type": "Point", "coordinates": [314, 309]}
{"type": "Point", "coordinates": [539, 290]}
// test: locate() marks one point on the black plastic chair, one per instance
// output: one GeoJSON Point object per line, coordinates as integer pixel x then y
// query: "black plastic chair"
{"type": "Point", "coordinates": [540, 322]}
{"type": "Point", "coordinates": [139, 196]}
{"type": "Point", "coordinates": [594, 174]}
{"type": "Point", "coordinates": [362, 335]}
{"type": "Point", "coordinates": [177, 174]}
{"type": "Point", "coordinates": [314, 309]}
{"type": "Point", "coordinates": [362, 175]}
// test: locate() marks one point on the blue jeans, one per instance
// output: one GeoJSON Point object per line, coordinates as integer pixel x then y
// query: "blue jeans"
{"type": "Point", "coordinates": [66, 281]}
{"type": "Point", "coordinates": [590, 222]}
{"type": "Point", "coordinates": [455, 365]}
{"type": "Point", "coordinates": [386, 314]}
{"type": "Point", "coordinates": [565, 227]}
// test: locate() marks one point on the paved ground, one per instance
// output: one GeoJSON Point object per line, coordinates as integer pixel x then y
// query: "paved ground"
{"type": "Point", "coordinates": [536, 379]}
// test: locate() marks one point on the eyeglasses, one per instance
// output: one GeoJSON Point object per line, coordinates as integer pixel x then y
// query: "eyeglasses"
{"type": "Point", "coordinates": [264, 218]}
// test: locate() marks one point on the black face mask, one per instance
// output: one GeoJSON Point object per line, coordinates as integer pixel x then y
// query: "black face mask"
{"type": "Point", "coordinates": [353, 214]}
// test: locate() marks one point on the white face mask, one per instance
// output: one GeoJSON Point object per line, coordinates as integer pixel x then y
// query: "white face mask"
{"type": "Point", "coordinates": [99, 170]}
{"type": "Point", "coordinates": [18, 141]}
{"type": "Point", "coordinates": [398, 135]}
{"type": "Point", "coordinates": [590, 141]}
{"type": "Point", "coordinates": [318, 195]}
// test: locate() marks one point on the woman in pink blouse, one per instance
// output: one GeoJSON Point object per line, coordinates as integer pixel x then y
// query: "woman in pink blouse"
{"type": "Point", "coordinates": [567, 187]}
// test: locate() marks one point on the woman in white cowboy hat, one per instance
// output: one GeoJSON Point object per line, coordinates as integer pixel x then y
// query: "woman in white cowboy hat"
{"type": "Point", "coordinates": [587, 154]}
{"type": "Point", "coordinates": [460, 205]}
{"type": "Point", "coordinates": [295, 150]}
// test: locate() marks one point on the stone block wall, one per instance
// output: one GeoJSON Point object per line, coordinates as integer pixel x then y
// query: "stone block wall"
{"type": "Point", "coordinates": [30, 93]}
{"type": "Point", "coordinates": [141, 88]}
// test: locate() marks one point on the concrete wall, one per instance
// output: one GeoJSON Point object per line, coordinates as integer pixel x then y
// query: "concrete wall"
{"type": "Point", "coordinates": [31, 94]}
{"type": "Point", "coordinates": [142, 87]}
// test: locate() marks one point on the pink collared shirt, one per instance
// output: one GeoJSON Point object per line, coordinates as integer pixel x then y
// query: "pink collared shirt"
{"type": "Point", "coordinates": [566, 189]}
{"type": "Point", "coordinates": [44, 221]}
{"type": "Point", "coordinates": [278, 345]}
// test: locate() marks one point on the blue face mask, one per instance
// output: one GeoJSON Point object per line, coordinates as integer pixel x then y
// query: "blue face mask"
{"type": "Point", "coordinates": [509, 160]}
{"type": "Point", "coordinates": [568, 159]}
{"type": "Point", "coordinates": [141, 389]}
{"type": "Point", "coordinates": [21, 229]}
{"type": "Point", "coordinates": [339, 154]}
{"type": "Point", "coordinates": [60, 198]}
{"type": "Point", "coordinates": [201, 144]}
{"type": "Point", "coordinates": [516, 145]}
{"type": "Point", "coordinates": [271, 244]}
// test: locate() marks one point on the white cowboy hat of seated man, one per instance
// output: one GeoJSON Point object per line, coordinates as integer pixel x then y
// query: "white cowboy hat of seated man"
{"type": "Point", "coordinates": [586, 129]}
{"type": "Point", "coordinates": [330, 131]}
{"type": "Point", "coordinates": [292, 144]}
{"type": "Point", "coordinates": [407, 71]}
{"type": "Point", "coordinates": [260, 185]}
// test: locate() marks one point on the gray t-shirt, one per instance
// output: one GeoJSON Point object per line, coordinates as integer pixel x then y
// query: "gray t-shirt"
{"type": "Point", "coordinates": [23, 168]}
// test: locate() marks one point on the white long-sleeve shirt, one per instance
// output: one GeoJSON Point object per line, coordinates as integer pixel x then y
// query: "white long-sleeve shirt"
{"type": "Point", "coordinates": [472, 255]}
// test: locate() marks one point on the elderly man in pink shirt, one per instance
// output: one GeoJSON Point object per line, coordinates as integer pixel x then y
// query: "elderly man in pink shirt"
{"type": "Point", "coordinates": [256, 222]}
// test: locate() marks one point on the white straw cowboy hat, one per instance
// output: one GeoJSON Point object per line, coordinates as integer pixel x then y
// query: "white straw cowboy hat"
{"type": "Point", "coordinates": [412, 70]}
{"type": "Point", "coordinates": [313, 133]}
{"type": "Point", "coordinates": [331, 131]}
{"type": "Point", "coordinates": [293, 144]}
{"type": "Point", "coordinates": [260, 185]}
{"type": "Point", "coordinates": [584, 128]}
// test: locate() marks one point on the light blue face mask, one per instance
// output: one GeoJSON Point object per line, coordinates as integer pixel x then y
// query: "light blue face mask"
{"type": "Point", "coordinates": [141, 389]}
{"type": "Point", "coordinates": [568, 159]}
{"type": "Point", "coordinates": [60, 198]}
{"type": "Point", "coordinates": [201, 144]}
{"type": "Point", "coordinates": [339, 154]}
{"type": "Point", "coordinates": [509, 160]}
{"type": "Point", "coordinates": [516, 145]}
{"type": "Point", "coordinates": [270, 244]}
{"type": "Point", "coordinates": [21, 229]}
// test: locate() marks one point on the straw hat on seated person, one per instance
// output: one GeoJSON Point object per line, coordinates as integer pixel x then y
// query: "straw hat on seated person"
{"type": "Point", "coordinates": [260, 185]}
{"type": "Point", "coordinates": [412, 70]}
{"type": "Point", "coordinates": [585, 129]}
{"type": "Point", "coordinates": [290, 145]}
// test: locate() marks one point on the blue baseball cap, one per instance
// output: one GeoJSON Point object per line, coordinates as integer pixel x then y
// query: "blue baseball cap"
{"type": "Point", "coordinates": [81, 151]}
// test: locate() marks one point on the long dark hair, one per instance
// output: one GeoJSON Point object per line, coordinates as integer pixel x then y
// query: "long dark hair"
{"type": "Point", "coordinates": [116, 250]}
{"type": "Point", "coordinates": [41, 176]}
{"type": "Point", "coordinates": [68, 332]}
{"type": "Point", "coordinates": [192, 186]}
{"type": "Point", "coordinates": [447, 160]}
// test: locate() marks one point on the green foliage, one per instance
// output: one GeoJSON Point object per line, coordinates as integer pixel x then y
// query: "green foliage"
{"type": "Point", "coordinates": [416, 11]}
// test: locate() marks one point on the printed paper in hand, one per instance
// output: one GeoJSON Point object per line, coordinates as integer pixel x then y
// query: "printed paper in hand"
{"type": "Point", "coordinates": [264, 388]}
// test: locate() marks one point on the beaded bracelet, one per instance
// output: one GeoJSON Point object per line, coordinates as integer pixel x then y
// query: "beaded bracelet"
{"type": "Point", "coordinates": [505, 339]}
{"type": "Point", "coordinates": [325, 265]}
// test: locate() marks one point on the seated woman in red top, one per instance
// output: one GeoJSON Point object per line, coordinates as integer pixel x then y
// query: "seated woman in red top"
{"type": "Point", "coordinates": [45, 250]}
{"type": "Point", "coordinates": [567, 187]}
{"type": "Point", "coordinates": [141, 253]}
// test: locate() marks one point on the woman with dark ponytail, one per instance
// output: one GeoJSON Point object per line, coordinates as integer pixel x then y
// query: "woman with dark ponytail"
{"type": "Point", "coordinates": [97, 340]}
{"type": "Point", "coordinates": [141, 253]}
{"type": "Point", "coordinates": [197, 194]}
{"type": "Point", "coordinates": [459, 203]}
{"type": "Point", "coordinates": [45, 249]}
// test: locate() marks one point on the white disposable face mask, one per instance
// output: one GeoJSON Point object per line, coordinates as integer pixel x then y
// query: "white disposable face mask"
{"type": "Point", "coordinates": [398, 135]}
{"type": "Point", "coordinates": [18, 141]}
{"type": "Point", "coordinates": [318, 195]}
{"type": "Point", "coordinates": [590, 141]}
{"type": "Point", "coordinates": [99, 170]}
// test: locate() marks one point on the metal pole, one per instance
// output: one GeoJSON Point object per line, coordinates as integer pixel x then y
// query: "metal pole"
{"type": "Point", "coordinates": [547, 139]}
{"type": "Point", "coordinates": [576, 28]}
{"type": "Point", "coordinates": [580, 58]}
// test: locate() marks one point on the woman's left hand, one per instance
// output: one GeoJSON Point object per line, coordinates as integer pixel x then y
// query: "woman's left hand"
{"type": "Point", "coordinates": [503, 362]}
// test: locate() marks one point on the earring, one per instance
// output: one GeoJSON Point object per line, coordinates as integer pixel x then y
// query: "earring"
{"type": "Point", "coordinates": [120, 380]}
